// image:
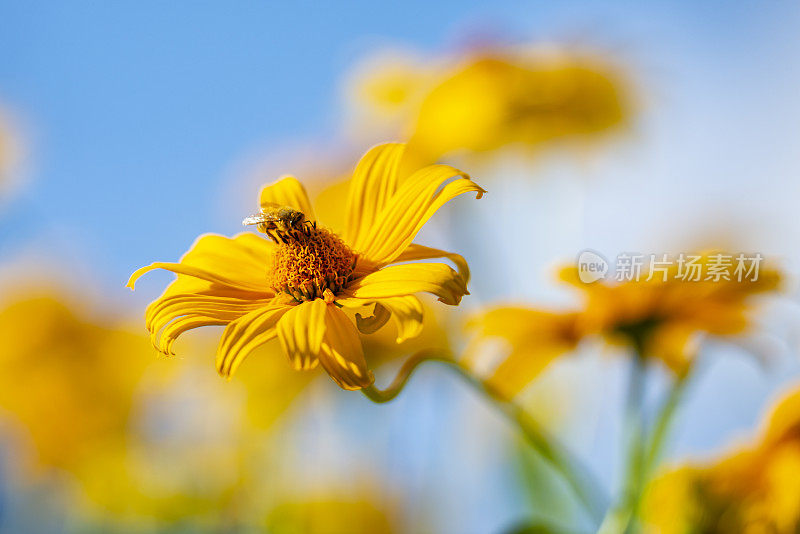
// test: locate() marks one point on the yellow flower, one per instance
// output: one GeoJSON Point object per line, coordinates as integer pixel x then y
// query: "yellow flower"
{"type": "Point", "coordinates": [659, 319]}
{"type": "Point", "coordinates": [753, 490]}
{"type": "Point", "coordinates": [61, 378]}
{"type": "Point", "coordinates": [385, 90]}
{"type": "Point", "coordinates": [662, 319]}
{"type": "Point", "coordinates": [495, 100]}
{"type": "Point", "coordinates": [301, 284]}
{"type": "Point", "coordinates": [489, 99]}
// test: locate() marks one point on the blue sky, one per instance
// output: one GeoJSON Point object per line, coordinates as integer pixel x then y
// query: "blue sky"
{"type": "Point", "coordinates": [134, 113]}
{"type": "Point", "coordinates": [136, 116]}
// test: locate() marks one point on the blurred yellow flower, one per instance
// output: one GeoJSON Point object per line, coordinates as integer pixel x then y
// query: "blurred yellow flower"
{"type": "Point", "coordinates": [62, 378]}
{"type": "Point", "coordinates": [754, 490]}
{"type": "Point", "coordinates": [301, 287]}
{"type": "Point", "coordinates": [492, 99]}
{"type": "Point", "coordinates": [386, 89]}
{"type": "Point", "coordinates": [660, 319]}
{"type": "Point", "coordinates": [87, 400]}
{"type": "Point", "coordinates": [497, 100]}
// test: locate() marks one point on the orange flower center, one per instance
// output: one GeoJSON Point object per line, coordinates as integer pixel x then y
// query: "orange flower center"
{"type": "Point", "coordinates": [309, 262]}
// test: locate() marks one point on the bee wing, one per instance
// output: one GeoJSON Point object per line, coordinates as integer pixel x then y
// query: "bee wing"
{"type": "Point", "coordinates": [257, 218]}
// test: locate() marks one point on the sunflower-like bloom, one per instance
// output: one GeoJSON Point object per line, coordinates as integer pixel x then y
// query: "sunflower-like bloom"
{"type": "Point", "coordinates": [302, 284]}
{"type": "Point", "coordinates": [664, 319]}
{"type": "Point", "coordinates": [660, 320]}
{"type": "Point", "coordinates": [753, 490]}
{"type": "Point", "coordinates": [497, 100]}
{"type": "Point", "coordinates": [492, 99]}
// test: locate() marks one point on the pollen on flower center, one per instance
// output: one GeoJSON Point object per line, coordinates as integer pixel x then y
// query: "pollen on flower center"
{"type": "Point", "coordinates": [309, 262]}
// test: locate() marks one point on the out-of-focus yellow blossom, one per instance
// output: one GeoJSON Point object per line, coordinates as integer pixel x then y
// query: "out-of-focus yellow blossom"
{"type": "Point", "coordinates": [386, 90]}
{"type": "Point", "coordinates": [301, 286]}
{"type": "Point", "coordinates": [659, 318]}
{"type": "Point", "coordinates": [755, 490]}
{"type": "Point", "coordinates": [138, 484]}
{"type": "Point", "coordinates": [63, 378]}
{"type": "Point", "coordinates": [186, 460]}
{"type": "Point", "coordinates": [495, 98]}
{"type": "Point", "coordinates": [86, 398]}
{"type": "Point", "coordinates": [329, 515]}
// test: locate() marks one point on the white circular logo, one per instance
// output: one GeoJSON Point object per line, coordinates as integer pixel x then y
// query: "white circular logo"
{"type": "Point", "coordinates": [591, 266]}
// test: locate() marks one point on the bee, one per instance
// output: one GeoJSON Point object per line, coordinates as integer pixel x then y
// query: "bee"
{"type": "Point", "coordinates": [278, 222]}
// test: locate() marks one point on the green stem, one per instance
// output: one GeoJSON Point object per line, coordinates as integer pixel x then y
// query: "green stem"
{"type": "Point", "coordinates": [663, 425]}
{"type": "Point", "coordinates": [657, 441]}
{"type": "Point", "coordinates": [620, 518]}
{"type": "Point", "coordinates": [637, 443]}
{"type": "Point", "coordinates": [578, 480]}
{"type": "Point", "coordinates": [644, 458]}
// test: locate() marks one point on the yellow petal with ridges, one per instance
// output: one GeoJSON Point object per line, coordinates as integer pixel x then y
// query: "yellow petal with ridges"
{"type": "Point", "coordinates": [416, 252]}
{"type": "Point", "coordinates": [288, 191]}
{"type": "Point", "coordinates": [406, 311]}
{"type": "Point", "coordinates": [245, 334]}
{"type": "Point", "coordinates": [342, 355]}
{"type": "Point", "coordinates": [215, 260]}
{"type": "Point", "coordinates": [415, 201]}
{"type": "Point", "coordinates": [400, 280]}
{"type": "Point", "coordinates": [374, 182]}
{"type": "Point", "coordinates": [407, 315]}
{"type": "Point", "coordinates": [167, 318]}
{"type": "Point", "coordinates": [301, 331]}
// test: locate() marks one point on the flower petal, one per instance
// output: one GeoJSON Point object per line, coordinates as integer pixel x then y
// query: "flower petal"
{"type": "Point", "coordinates": [173, 314]}
{"type": "Point", "coordinates": [301, 331]}
{"type": "Point", "coordinates": [534, 339]}
{"type": "Point", "coordinates": [342, 355]}
{"type": "Point", "coordinates": [215, 261]}
{"type": "Point", "coordinates": [406, 311]}
{"type": "Point", "coordinates": [419, 252]}
{"type": "Point", "coordinates": [288, 191]}
{"type": "Point", "coordinates": [374, 322]}
{"type": "Point", "coordinates": [523, 366]}
{"type": "Point", "coordinates": [374, 182]}
{"type": "Point", "coordinates": [219, 280]}
{"type": "Point", "coordinates": [245, 334]}
{"type": "Point", "coordinates": [400, 280]}
{"type": "Point", "coordinates": [407, 315]}
{"type": "Point", "coordinates": [415, 201]}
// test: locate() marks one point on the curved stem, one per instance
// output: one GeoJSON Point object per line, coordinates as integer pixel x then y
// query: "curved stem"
{"type": "Point", "coordinates": [578, 480]}
{"type": "Point", "coordinates": [392, 390]}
